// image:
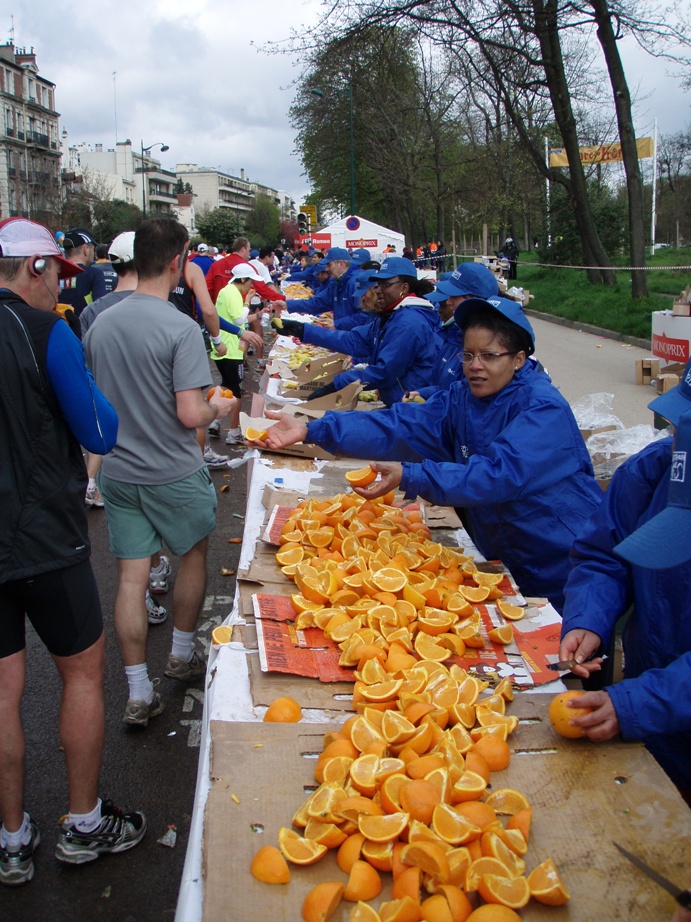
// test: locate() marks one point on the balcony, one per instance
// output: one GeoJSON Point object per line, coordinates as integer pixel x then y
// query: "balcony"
{"type": "Point", "coordinates": [9, 132]}
{"type": "Point", "coordinates": [35, 137]}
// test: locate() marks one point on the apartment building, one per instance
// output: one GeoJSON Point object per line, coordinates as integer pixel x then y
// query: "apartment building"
{"type": "Point", "coordinates": [215, 189]}
{"type": "Point", "coordinates": [29, 148]}
{"type": "Point", "coordinates": [126, 173]}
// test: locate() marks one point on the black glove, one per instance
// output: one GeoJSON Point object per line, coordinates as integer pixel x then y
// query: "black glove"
{"type": "Point", "coordinates": [291, 328]}
{"type": "Point", "coordinates": [322, 391]}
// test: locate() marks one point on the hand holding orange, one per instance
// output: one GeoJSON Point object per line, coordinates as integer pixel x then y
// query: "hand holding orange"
{"type": "Point", "coordinates": [225, 392]}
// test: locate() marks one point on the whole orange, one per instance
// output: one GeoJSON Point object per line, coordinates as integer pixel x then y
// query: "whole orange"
{"type": "Point", "coordinates": [560, 714]}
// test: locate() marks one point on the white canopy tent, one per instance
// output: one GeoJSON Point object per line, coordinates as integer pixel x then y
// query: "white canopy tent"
{"type": "Point", "coordinates": [354, 233]}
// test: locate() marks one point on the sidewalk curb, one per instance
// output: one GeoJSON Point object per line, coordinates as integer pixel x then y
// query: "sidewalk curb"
{"type": "Point", "coordinates": [589, 328]}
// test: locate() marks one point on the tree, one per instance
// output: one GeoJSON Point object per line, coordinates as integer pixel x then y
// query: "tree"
{"type": "Point", "coordinates": [112, 218]}
{"type": "Point", "coordinates": [264, 220]}
{"type": "Point", "coordinates": [220, 226]}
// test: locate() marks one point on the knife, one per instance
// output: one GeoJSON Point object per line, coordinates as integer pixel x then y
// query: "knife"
{"type": "Point", "coordinates": [566, 664]}
{"type": "Point", "coordinates": [683, 897]}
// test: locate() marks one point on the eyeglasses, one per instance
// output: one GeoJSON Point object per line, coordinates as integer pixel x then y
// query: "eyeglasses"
{"type": "Point", "coordinates": [484, 358]}
{"type": "Point", "coordinates": [381, 284]}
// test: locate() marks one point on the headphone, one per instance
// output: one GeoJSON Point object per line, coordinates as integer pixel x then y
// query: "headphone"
{"type": "Point", "coordinates": [39, 266]}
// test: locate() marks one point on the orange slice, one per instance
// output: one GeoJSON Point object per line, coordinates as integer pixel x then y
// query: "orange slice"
{"type": "Point", "coordinates": [473, 594]}
{"type": "Point", "coordinates": [322, 901]}
{"type": "Point", "coordinates": [389, 579]}
{"type": "Point", "coordinates": [513, 892]}
{"type": "Point", "coordinates": [470, 786]}
{"type": "Point", "coordinates": [507, 801]}
{"type": "Point", "coordinates": [383, 828]}
{"type": "Point", "coordinates": [546, 885]}
{"type": "Point", "coordinates": [429, 649]}
{"type": "Point", "coordinates": [298, 849]}
{"type": "Point", "coordinates": [453, 827]}
{"type": "Point", "coordinates": [479, 868]}
{"type": "Point", "coordinates": [255, 435]}
{"type": "Point", "coordinates": [269, 866]}
{"type": "Point", "coordinates": [222, 634]}
{"type": "Point", "coordinates": [510, 612]}
{"type": "Point", "coordinates": [429, 857]}
{"type": "Point", "coordinates": [363, 912]}
{"type": "Point", "coordinates": [501, 635]}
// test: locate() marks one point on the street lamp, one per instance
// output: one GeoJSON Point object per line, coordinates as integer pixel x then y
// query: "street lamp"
{"type": "Point", "coordinates": [349, 94]}
{"type": "Point", "coordinates": [144, 171]}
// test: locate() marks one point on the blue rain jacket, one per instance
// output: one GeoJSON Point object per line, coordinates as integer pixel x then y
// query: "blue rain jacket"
{"type": "Point", "coordinates": [448, 366]}
{"type": "Point", "coordinates": [399, 348]}
{"type": "Point", "coordinates": [514, 461]}
{"type": "Point", "coordinates": [339, 296]}
{"type": "Point", "coordinates": [652, 702]}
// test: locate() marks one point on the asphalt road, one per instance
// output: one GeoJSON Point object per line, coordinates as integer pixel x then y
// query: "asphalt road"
{"type": "Point", "coordinates": [152, 769]}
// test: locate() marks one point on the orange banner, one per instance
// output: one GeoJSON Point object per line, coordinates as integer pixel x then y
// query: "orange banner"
{"type": "Point", "coordinates": [602, 153]}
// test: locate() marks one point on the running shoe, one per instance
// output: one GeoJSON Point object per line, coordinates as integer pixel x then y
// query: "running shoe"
{"type": "Point", "coordinates": [93, 498]}
{"type": "Point", "coordinates": [156, 614]}
{"type": "Point", "coordinates": [214, 429]}
{"type": "Point", "coordinates": [235, 438]}
{"type": "Point", "coordinates": [214, 460]}
{"type": "Point", "coordinates": [117, 832]}
{"type": "Point", "coordinates": [139, 713]}
{"type": "Point", "coordinates": [177, 668]}
{"type": "Point", "coordinates": [17, 865]}
{"type": "Point", "coordinates": [158, 578]}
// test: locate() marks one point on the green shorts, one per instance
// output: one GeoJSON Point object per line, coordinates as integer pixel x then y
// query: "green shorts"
{"type": "Point", "coordinates": [142, 518]}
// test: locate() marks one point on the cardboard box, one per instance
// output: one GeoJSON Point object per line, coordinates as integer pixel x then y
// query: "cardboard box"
{"type": "Point", "coordinates": [586, 433]}
{"type": "Point", "coordinates": [646, 370]}
{"type": "Point", "coordinates": [666, 382]}
{"type": "Point", "coordinates": [671, 338]}
{"type": "Point", "coordinates": [681, 309]}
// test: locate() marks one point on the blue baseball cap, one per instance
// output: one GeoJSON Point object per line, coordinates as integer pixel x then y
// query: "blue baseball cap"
{"type": "Point", "coordinates": [436, 296]}
{"type": "Point", "coordinates": [358, 257]}
{"type": "Point", "coordinates": [364, 280]}
{"type": "Point", "coordinates": [509, 309]}
{"type": "Point", "coordinates": [395, 266]}
{"type": "Point", "coordinates": [470, 279]}
{"type": "Point", "coordinates": [665, 540]}
{"type": "Point", "coordinates": [254, 254]}
{"type": "Point", "coordinates": [322, 265]}
{"type": "Point", "coordinates": [675, 402]}
{"type": "Point", "coordinates": [337, 253]}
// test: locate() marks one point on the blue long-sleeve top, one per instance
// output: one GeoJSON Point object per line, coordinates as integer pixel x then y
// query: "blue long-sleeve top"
{"type": "Point", "coordinates": [516, 462]}
{"type": "Point", "coordinates": [398, 349]}
{"type": "Point", "coordinates": [652, 702]}
{"type": "Point", "coordinates": [92, 419]}
{"type": "Point", "coordinates": [338, 295]}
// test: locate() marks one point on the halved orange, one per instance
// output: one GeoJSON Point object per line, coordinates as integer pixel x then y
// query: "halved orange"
{"type": "Point", "coordinates": [361, 477]}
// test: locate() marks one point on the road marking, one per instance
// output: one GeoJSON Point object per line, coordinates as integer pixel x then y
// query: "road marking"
{"type": "Point", "coordinates": [194, 736]}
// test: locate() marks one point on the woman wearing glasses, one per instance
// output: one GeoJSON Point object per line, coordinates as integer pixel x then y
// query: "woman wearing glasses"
{"type": "Point", "coordinates": [398, 346]}
{"type": "Point", "coordinates": [502, 444]}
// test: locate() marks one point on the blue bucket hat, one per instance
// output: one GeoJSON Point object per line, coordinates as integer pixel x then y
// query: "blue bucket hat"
{"type": "Point", "coordinates": [364, 280]}
{"type": "Point", "coordinates": [470, 279]}
{"type": "Point", "coordinates": [358, 257]}
{"type": "Point", "coordinates": [509, 309]}
{"type": "Point", "coordinates": [675, 402]}
{"type": "Point", "coordinates": [337, 253]}
{"type": "Point", "coordinates": [396, 266]}
{"type": "Point", "coordinates": [665, 540]}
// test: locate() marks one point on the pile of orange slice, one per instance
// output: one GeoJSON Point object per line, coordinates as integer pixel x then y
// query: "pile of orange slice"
{"type": "Point", "coordinates": [403, 785]}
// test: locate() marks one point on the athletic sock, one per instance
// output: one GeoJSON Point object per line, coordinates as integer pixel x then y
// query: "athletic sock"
{"type": "Point", "coordinates": [86, 822]}
{"type": "Point", "coordinates": [91, 484]}
{"type": "Point", "coordinates": [183, 644]}
{"type": "Point", "coordinates": [14, 840]}
{"type": "Point", "coordinates": [141, 687]}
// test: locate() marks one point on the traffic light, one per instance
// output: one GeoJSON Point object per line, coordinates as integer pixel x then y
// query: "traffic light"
{"type": "Point", "coordinates": [303, 224]}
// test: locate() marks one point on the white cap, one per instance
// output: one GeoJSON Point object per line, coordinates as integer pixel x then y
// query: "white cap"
{"type": "Point", "coordinates": [121, 249]}
{"type": "Point", "coordinates": [20, 237]}
{"type": "Point", "coordinates": [202, 248]}
{"type": "Point", "coordinates": [245, 271]}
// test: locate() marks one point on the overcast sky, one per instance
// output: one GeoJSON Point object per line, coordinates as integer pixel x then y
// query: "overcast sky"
{"type": "Point", "coordinates": [191, 74]}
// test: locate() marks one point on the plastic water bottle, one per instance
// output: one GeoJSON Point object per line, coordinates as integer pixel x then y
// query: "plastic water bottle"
{"type": "Point", "coordinates": [265, 321]}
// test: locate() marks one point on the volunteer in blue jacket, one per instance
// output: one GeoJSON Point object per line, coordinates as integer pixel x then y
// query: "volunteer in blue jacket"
{"type": "Point", "coordinates": [397, 344]}
{"type": "Point", "coordinates": [338, 296]}
{"type": "Point", "coordinates": [502, 444]}
{"type": "Point", "coordinates": [469, 280]}
{"type": "Point", "coordinates": [636, 551]}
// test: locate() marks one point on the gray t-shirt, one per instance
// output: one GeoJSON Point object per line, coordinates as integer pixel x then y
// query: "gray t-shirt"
{"type": "Point", "coordinates": [91, 311]}
{"type": "Point", "coordinates": [141, 352]}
